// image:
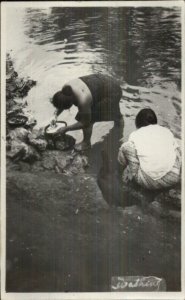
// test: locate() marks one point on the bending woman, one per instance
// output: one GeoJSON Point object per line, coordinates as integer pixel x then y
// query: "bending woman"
{"type": "Point", "coordinates": [97, 98]}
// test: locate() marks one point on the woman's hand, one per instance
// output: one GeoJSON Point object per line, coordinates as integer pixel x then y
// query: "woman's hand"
{"type": "Point", "coordinates": [53, 120]}
{"type": "Point", "coordinates": [60, 131]}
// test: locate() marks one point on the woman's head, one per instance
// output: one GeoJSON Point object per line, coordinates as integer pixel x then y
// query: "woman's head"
{"type": "Point", "coordinates": [146, 117]}
{"type": "Point", "coordinates": [62, 99]}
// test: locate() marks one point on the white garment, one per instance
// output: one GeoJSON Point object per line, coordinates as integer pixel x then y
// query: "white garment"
{"type": "Point", "coordinates": [155, 146]}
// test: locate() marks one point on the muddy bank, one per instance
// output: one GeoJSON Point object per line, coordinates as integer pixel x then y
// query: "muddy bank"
{"type": "Point", "coordinates": [60, 242]}
{"type": "Point", "coordinates": [71, 222]}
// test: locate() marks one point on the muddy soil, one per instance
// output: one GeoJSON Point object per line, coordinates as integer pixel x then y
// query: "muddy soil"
{"type": "Point", "coordinates": [61, 236]}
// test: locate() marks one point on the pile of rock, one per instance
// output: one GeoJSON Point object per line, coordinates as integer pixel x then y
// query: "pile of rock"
{"type": "Point", "coordinates": [22, 146]}
{"type": "Point", "coordinates": [19, 121]}
{"type": "Point", "coordinates": [29, 145]}
{"type": "Point", "coordinates": [16, 89]}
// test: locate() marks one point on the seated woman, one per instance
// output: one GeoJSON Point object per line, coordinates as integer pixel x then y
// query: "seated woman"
{"type": "Point", "coordinates": [152, 153]}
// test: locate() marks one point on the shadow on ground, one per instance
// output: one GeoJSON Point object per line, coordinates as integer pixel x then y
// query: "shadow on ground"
{"type": "Point", "coordinates": [62, 236]}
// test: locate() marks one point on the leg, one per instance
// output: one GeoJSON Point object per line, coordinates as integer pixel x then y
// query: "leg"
{"type": "Point", "coordinates": [86, 143]}
{"type": "Point", "coordinates": [122, 158]}
{"type": "Point", "coordinates": [172, 178]}
{"type": "Point", "coordinates": [128, 156]}
{"type": "Point", "coordinates": [118, 128]}
{"type": "Point", "coordinates": [119, 122]}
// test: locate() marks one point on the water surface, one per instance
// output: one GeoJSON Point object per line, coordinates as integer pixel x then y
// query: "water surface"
{"type": "Point", "coordinates": [139, 46]}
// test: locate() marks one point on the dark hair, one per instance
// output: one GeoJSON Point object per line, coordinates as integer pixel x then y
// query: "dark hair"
{"type": "Point", "coordinates": [62, 101]}
{"type": "Point", "coordinates": [145, 117]}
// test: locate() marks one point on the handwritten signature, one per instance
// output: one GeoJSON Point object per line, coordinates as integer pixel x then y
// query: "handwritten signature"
{"type": "Point", "coordinates": [144, 282]}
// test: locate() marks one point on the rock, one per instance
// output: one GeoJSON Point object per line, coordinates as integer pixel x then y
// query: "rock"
{"type": "Point", "coordinates": [52, 159]}
{"type": "Point", "coordinates": [17, 120]}
{"type": "Point", "coordinates": [18, 134]}
{"type": "Point", "coordinates": [36, 139]}
{"type": "Point", "coordinates": [64, 162]}
{"type": "Point", "coordinates": [17, 151]}
{"type": "Point", "coordinates": [16, 86]}
{"type": "Point", "coordinates": [28, 84]}
{"type": "Point", "coordinates": [78, 165]}
{"type": "Point", "coordinates": [38, 133]}
{"type": "Point", "coordinates": [31, 121]}
{"type": "Point", "coordinates": [30, 154]}
{"type": "Point", "coordinates": [175, 198]}
{"type": "Point", "coordinates": [8, 145]}
{"type": "Point", "coordinates": [16, 109]}
{"type": "Point", "coordinates": [17, 116]}
{"type": "Point", "coordinates": [19, 83]}
{"type": "Point", "coordinates": [157, 209]}
{"type": "Point", "coordinates": [39, 144]}
{"type": "Point", "coordinates": [11, 86]}
{"type": "Point", "coordinates": [175, 194]}
{"type": "Point", "coordinates": [170, 198]}
{"type": "Point", "coordinates": [21, 151]}
{"type": "Point", "coordinates": [20, 102]}
{"type": "Point", "coordinates": [134, 210]}
{"type": "Point", "coordinates": [51, 145]}
{"type": "Point", "coordinates": [80, 161]}
{"type": "Point", "coordinates": [64, 142]}
{"type": "Point", "coordinates": [10, 104]}
{"type": "Point", "coordinates": [48, 163]}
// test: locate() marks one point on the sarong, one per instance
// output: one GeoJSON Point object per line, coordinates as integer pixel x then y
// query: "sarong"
{"type": "Point", "coordinates": [128, 156]}
{"type": "Point", "coordinates": [106, 94]}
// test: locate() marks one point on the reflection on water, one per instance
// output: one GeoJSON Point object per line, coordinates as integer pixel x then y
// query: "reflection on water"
{"type": "Point", "coordinates": [140, 46]}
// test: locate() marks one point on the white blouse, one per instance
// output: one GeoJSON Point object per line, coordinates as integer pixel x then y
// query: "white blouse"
{"type": "Point", "coordinates": [155, 146]}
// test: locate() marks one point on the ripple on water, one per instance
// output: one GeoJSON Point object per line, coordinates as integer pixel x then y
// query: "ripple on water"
{"type": "Point", "coordinates": [140, 45]}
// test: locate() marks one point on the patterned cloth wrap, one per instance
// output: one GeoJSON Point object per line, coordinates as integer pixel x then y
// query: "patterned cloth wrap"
{"type": "Point", "coordinates": [128, 156]}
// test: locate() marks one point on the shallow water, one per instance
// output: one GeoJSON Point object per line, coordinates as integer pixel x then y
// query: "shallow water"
{"type": "Point", "coordinates": [139, 46]}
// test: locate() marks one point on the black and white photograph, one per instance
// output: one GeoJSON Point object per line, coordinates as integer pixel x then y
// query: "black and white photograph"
{"type": "Point", "coordinates": [92, 149]}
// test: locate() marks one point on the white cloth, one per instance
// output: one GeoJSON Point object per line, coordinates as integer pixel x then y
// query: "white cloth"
{"type": "Point", "coordinates": [155, 146]}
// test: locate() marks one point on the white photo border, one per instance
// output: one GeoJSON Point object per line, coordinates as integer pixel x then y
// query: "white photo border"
{"type": "Point", "coordinates": [79, 295]}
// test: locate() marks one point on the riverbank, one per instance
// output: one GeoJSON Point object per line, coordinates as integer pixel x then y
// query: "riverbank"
{"type": "Point", "coordinates": [67, 229]}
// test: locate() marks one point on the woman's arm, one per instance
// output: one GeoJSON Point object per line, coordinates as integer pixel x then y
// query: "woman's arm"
{"type": "Point", "coordinates": [54, 119]}
{"type": "Point", "coordinates": [57, 112]}
{"type": "Point", "coordinates": [76, 126]}
{"type": "Point", "coordinates": [85, 119]}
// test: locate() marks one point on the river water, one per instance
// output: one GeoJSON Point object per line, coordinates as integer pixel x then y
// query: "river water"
{"type": "Point", "coordinates": [139, 46]}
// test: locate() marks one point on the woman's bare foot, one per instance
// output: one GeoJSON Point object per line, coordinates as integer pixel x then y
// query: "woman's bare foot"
{"type": "Point", "coordinates": [82, 146]}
